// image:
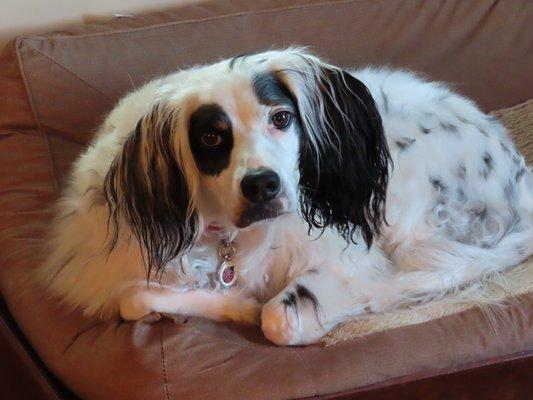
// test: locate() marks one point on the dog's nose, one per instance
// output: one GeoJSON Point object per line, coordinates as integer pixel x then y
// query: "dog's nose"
{"type": "Point", "coordinates": [260, 186]}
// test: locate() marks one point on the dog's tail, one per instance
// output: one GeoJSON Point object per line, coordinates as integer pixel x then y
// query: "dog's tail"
{"type": "Point", "coordinates": [436, 267]}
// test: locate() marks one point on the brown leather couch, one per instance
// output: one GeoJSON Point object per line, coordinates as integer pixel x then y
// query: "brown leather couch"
{"type": "Point", "coordinates": [56, 88]}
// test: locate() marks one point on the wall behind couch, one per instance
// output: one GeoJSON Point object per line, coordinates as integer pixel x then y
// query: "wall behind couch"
{"type": "Point", "coordinates": [33, 16]}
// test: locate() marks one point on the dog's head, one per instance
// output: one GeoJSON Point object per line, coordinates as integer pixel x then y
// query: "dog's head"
{"type": "Point", "coordinates": [246, 140]}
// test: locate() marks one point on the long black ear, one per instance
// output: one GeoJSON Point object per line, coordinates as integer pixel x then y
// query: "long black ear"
{"type": "Point", "coordinates": [344, 157]}
{"type": "Point", "coordinates": [146, 188]}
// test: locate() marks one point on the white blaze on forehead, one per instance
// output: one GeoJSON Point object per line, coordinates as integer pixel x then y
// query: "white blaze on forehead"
{"type": "Point", "coordinates": [234, 93]}
{"type": "Point", "coordinates": [255, 161]}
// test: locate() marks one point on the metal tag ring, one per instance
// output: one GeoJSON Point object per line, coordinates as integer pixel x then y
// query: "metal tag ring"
{"type": "Point", "coordinates": [226, 250]}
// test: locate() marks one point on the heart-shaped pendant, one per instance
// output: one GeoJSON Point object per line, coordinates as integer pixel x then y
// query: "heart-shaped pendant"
{"type": "Point", "coordinates": [226, 274]}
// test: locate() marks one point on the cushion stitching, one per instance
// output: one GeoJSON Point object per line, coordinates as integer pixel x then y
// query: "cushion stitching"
{"type": "Point", "coordinates": [40, 128]}
{"type": "Point", "coordinates": [70, 71]}
{"type": "Point", "coordinates": [306, 368]}
{"type": "Point", "coordinates": [13, 131]}
{"type": "Point", "coordinates": [201, 20]}
{"type": "Point", "coordinates": [163, 363]}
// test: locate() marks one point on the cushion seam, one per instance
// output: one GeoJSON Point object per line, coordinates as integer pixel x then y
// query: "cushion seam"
{"type": "Point", "coordinates": [40, 128]}
{"type": "Point", "coordinates": [163, 363]}
{"type": "Point", "coordinates": [200, 20]}
{"type": "Point", "coordinates": [69, 71]}
{"type": "Point", "coordinates": [11, 132]}
{"type": "Point", "coordinates": [310, 381]}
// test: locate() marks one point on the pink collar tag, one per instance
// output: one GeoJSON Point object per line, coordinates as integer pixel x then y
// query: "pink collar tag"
{"type": "Point", "coordinates": [226, 272]}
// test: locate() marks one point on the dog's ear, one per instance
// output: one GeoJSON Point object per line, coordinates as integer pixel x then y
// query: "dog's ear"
{"type": "Point", "coordinates": [344, 157]}
{"type": "Point", "coordinates": [147, 189]}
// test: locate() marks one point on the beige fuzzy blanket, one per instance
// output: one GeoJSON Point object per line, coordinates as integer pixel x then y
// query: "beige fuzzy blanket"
{"type": "Point", "coordinates": [497, 289]}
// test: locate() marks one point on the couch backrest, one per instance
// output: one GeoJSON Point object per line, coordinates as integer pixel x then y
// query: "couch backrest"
{"type": "Point", "coordinates": [73, 78]}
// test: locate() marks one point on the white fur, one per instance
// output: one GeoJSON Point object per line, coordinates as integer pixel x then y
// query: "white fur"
{"type": "Point", "coordinates": [436, 240]}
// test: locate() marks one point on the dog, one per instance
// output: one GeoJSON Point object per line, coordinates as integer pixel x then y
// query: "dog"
{"type": "Point", "coordinates": [276, 188]}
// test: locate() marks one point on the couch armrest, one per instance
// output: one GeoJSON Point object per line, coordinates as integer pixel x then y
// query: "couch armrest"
{"type": "Point", "coordinates": [22, 373]}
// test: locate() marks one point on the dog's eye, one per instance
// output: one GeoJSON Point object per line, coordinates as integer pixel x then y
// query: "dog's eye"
{"type": "Point", "coordinates": [282, 119]}
{"type": "Point", "coordinates": [211, 139]}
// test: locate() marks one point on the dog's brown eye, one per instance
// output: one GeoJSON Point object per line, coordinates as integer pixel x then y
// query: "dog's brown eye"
{"type": "Point", "coordinates": [282, 119]}
{"type": "Point", "coordinates": [211, 139]}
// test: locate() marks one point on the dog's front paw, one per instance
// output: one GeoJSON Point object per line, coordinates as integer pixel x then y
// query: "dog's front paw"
{"type": "Point", "coordinates": [134, 305]}
{"type": "Point", "coordinates": [278, 325]}
{"type": "Point", "coordinates": [291, 319]}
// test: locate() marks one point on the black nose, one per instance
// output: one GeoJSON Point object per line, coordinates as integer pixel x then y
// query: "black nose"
{"type": "Point", "coordinates": [260, 186]}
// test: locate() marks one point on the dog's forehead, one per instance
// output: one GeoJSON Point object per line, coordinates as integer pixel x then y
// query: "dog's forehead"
{"type": "Point", "coordinates": [234, 93]}
{"type": "Point", "coordinates": [245, 93]}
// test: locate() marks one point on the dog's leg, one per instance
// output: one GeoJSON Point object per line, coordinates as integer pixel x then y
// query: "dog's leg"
{"type": "Point", "coordinates": [310, 306]}
{"type": "Point", "coordinates": [140, 300]}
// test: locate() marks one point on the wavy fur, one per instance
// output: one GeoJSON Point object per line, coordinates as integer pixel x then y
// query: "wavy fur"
{"type": "Point", "coordinates": [390, 190]}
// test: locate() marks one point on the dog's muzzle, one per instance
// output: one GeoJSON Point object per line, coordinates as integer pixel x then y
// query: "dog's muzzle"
{"type": "Point", "coordinates": [261, 189]}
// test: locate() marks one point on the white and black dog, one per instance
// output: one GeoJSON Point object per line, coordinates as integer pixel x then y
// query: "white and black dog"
{"type": "Point", "coordinates": [283, 190]}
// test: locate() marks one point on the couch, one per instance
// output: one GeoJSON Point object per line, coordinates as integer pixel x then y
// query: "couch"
{"type": "Point", "coordinates": [55, 90]}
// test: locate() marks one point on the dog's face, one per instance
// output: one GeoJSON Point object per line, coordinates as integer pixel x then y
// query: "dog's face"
{"type": "Point", "coordinates": [244, 134]}
{"type": "Point", "coordinates": [246, 140]}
